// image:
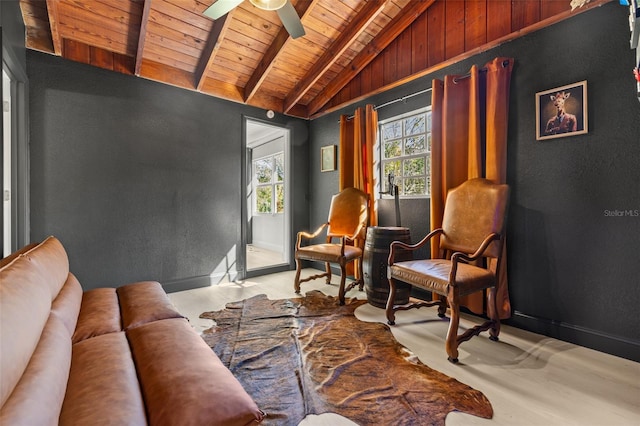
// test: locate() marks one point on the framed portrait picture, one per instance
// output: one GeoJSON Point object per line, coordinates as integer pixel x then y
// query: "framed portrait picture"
{"type": "Point", "coordinates": [328, 158]}
{"type": "Point", "coordinates": [562, 111]}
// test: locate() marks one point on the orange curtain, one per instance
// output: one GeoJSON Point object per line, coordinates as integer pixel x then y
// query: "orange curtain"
{"type": "Point", "coordinates": [357, 138]}
{"type": "Point", "coordinates": [469, 139]}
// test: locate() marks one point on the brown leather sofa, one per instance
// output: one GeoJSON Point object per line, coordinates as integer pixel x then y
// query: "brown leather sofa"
{"type": "Point", "coordinates": [119, 356]}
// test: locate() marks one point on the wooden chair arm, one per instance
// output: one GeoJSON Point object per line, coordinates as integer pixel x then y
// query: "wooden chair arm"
{"type": "Point", "coordinates": [307, 235]}
{"type": "Point", "coordinates": [344, 238]}
{"type": "Point", "coordinates": [355, 234]}
{"type": "Point", "coordinates": [463, 257]}
{"type": "Point", "coordinates": [343, 242]}
{"type": "Point", "coordinates": [411, 247]}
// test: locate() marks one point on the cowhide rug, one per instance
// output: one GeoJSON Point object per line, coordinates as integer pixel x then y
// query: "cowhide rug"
{"type": "Point", "coordinates": [309, 355]}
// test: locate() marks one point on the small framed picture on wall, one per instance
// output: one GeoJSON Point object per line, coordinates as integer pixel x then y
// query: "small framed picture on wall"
{"type": "Point", "coordinates": [562, 111]}
{"type": "Point", "coordinates": [328, 161]}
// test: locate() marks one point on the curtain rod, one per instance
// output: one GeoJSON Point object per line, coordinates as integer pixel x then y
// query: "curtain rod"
{"type": "Point", "coordinates": [404, 98]}
{"type": "Point", "coordinates": [484, 69]}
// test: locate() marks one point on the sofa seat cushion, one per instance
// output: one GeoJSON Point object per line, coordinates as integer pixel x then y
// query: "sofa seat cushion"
{"type": "Point", "coordinates": [99, 314]}
{"type": "Point", "coordinates": [103, 386]}
{"type": "Point", "coordinates": [143, 302]}
{"type": "Point", "coordinates": [183, 381]}
{"type": "Point", "coordinates": [110, 310]}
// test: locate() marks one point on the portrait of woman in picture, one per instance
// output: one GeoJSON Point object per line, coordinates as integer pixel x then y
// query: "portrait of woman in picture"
{"type": "Point", "coordinates": [561, 111]}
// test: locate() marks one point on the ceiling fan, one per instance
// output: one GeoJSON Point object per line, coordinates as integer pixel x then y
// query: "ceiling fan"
{"type": "Point", "coordinates": [285, 9]}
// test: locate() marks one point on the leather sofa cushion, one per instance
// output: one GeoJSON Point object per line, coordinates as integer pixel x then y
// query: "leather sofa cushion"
{"type": "Point", "coordinates": [103, 387]}
{"type": "Point", "coordinates": [99, 314]}
{"type": "Point", "coordinates": [25, 304]}
{"type": "Point", "coordinates": [183, 381]}
{"type": "Point", "coordinates": [67, 305]}
{"type": "Point", "coordinates": [51, 258]}
{"type": "Point", "coordinates": [38, 395]}
{"type": "Point", "coordinates": [143, 302]}
{"type": "Point", "coordinates": [6, 260]}
{"type": "Point", "coordinates": [110, 310]}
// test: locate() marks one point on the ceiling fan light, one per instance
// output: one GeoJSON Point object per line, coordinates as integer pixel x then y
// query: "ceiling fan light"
{"type": "Point", "coordinates": [268, 4]}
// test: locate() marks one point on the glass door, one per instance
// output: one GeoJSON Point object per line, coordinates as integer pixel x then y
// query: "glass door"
{"type": "Point", "coordinates": [267, 225]}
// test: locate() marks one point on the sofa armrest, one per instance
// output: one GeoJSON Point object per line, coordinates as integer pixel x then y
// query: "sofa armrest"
{"type": "Point", "coordinates": [183, 381]}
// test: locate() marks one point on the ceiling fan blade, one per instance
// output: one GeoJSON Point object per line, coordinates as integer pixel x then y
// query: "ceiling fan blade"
{"type": "Point", "coordinates": [220, 8]}
{"type": "Point", "coordinates": [291, 20]}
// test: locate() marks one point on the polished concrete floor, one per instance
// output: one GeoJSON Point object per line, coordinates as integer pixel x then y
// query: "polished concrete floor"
{"type": "Point", "coordinates": [259, 257]}
{"type": "Point", "coordinates": [530, 379]}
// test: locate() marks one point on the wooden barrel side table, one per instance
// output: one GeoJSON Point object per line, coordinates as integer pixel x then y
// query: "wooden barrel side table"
{"type": "Point", "coordinates": [375, 262]}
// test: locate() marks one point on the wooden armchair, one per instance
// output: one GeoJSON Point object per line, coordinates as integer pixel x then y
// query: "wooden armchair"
{"type": "Point", "coordinates": [471, 234]}
{"type": "Point", "coordinates": [347, 222]}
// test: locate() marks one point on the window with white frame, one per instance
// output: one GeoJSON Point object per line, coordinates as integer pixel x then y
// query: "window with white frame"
{"type": "Point", "coordinates": [405, 152]}
{"type": "Point", "coordinates": [268, 173]}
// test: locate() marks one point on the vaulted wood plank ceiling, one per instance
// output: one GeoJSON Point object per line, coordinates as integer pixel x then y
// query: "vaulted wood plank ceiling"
{"type": "Point", "coordinates": [351, 49]}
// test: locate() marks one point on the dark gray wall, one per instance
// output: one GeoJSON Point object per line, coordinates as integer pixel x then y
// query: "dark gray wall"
{"type": "Point", "coordinates": [573, 267]}
{"type": "Point", "coordinates": [140, 180]}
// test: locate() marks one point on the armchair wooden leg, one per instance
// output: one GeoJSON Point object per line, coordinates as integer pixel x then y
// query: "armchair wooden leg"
{"type": "Point", "coordinates": [451, 345]}
{"type": "Point", "coordinates": [327, 268]}
{"type": "Point", "coordinates": [343, 279]}
{"type": "Point", "coordinates": [492, 309]}
{"type": "Point", "coordinates": [296, 281]}
{"type": "Point", "coordinates": [442, 307]}
{"type": "Point", "coordinates": [391, 317]}
{"type": "Point", "coordinates": [361, 277]}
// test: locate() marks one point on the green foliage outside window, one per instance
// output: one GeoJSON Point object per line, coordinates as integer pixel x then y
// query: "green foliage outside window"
{"type": "Point", "coordinates": [413, 166]}
{"type": "Point", "coordinates": [269, 184]}
{"type": "Point", "coordinates": [279, 168]}
{"type": "Point", "coordinates": [405, 145]}
{"type": "Point", "coordinates": [392, 167]}
{"type": "Point", "coordinates": [393, 148]}
{"type": "Point", "coordinates": [263, 199]}
{"type": "Point", "coordinates": [263, 170]}
{"type": "Point", "coordinates": [414, 186]}
{"type": "Point", "coordinates": [414, 145]}
{"type": "Point", "coordinates": [280, 198]}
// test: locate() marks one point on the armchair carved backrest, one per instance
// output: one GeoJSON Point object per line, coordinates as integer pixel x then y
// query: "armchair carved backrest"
{"type": "Point", "coordinates": [347, 223]}
{"type": "Point", "coordinates": [473, 211]}
{"type": "Point", "coordinates": [348, 215]}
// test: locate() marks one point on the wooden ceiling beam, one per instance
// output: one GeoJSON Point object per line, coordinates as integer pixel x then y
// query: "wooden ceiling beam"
{"type": "Point", "coordinates": [368, 13]}
{"type": "Point", "coordinates": [142, 35]}
{"type": "Point", "coordinates": [303, 8]}
{"type": "Point", "coordinates": [54, 21]}
{"type": "Point", "coordinates": [402, 21]}
{"type": "Point", "coordinates": [37, 29]}
{"type": "Point", "coordinates": [163, 73]}
{"type": "Point", "coordinates": [222, 89]}
{"type": "Point", "coordinates": [217, 34]}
